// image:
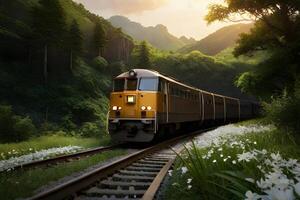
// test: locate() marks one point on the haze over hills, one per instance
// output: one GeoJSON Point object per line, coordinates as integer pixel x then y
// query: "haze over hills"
{"type": "Point", "coordinates": [157, 36]}
{"type": "Point", "coordinates": [218, 41]}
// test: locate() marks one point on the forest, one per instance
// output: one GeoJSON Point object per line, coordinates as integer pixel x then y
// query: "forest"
{"type": "Point", "coordinates": [58, 59]}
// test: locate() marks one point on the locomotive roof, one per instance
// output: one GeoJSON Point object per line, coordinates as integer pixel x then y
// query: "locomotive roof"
{"type": "Point", "coordinates": [152, 73]}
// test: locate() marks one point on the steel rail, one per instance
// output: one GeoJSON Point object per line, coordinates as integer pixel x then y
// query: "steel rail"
{"type": "Point", "coordinates": [72, 187]}
{"type": "Point", "coordinates": [66, 157]}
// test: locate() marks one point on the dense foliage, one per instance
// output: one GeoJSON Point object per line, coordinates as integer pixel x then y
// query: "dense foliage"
{"type": "Point", "coordinates": [276, 30]}
{"type": "Point", "coordinates": [52, 69]}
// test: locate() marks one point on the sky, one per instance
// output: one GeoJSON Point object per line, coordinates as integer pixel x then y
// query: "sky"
{"type": "Point", "coordinates": [181, 17]}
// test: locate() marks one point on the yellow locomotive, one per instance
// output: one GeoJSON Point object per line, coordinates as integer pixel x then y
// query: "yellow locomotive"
{"type": "Point", "coordinates": [145, 104]}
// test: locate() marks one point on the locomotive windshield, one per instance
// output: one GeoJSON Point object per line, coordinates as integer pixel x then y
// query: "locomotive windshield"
{"type": "Point", "coordinates": [145, 84]}
{"type": "Point", "coordinates": [131, 84]}
{"type": "Point", "coordinates": [119, 85]}
{"type": "Point", "coordinates": [148, 84]}
{"type": "Point", "coordinates": [125, 84]}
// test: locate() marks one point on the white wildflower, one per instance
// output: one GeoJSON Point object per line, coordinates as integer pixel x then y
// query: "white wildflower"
{"type": "Point", "coordinates": [184, 170]}
{"type": "Point", "coordinates": [277, 194]}
{"type": "Point", "coordinates": [170, 172]}
{"type": "Point", "coordinates": [189, 187]}
{"type": "Point", "coordinates": [189, 180]}
{"type": "Point", "coordinates": [297, 188]}
{"type": "Point", "coordinates": [251, 196]}
{"type": "Point", "coordinates": [246, 156]}
{"type": "Point", "coordinates": [251, 180]}
{"type": "Point", "coordinates": [214, 161]}
{"type": "Point", "coordinates": [234, 162]}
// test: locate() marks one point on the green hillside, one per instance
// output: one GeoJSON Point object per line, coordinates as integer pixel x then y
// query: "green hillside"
{"type": "Point", "coordinates": [56, 75]}
{"type": "Point", "coordinates": [157, 36]}
{"type": "Point", "coordinates": [219, 40]}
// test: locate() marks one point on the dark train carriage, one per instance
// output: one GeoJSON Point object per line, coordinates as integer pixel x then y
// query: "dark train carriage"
{"type": "Point", "coordinates": [183, 101]}
{"type": "Point", "coordinates": [232, 109]}
{"type": "Point", "coordinates": [246, 110]}
{"type": "Point", "coordinates": [219, 108]}
{"type": "Point", "coordinates": [208, 107]}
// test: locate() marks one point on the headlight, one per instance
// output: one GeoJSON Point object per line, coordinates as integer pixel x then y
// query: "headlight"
{"type": "Point", "coordinates": [130, 99]}
{"type": "Point", "coordinates": [149, 108]}
{"type": "Point", "coordinates": [120, 108]}
{"type": "Point", "coordinates": [115, 108]}
{"type": "Point", "coordinates": [143, 107]}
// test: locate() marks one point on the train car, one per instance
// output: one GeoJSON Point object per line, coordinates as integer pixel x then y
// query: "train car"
{"type": "Point", "coordinates": [145, 105]}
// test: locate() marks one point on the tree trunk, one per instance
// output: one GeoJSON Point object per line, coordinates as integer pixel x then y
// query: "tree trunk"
{"type": "Point", "coordinates": [71, 61]}
{"type": "Point", "coordinates": [29, 55]}
{"type": "Point", "coordinates": [46, 64]}
{"type": "Point", "coordinates": [99, 53]}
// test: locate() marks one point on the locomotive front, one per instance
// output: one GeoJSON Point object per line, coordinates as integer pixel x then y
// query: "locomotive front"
{"type": "Point", "coordinates": [133, 106]}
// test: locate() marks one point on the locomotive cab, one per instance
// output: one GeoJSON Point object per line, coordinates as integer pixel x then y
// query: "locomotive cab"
{"type": "Point", "coordinates": [133, 106]}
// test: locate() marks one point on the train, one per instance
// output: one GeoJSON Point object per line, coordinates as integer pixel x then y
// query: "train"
{"type": "Point", "coordinates": [146, 105]}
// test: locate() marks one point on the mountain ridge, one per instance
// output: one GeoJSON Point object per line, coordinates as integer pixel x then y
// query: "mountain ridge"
{"type": "Point", "coordinates": [218, 41]}
{"type": "Point", "coordinates": [158, 36]}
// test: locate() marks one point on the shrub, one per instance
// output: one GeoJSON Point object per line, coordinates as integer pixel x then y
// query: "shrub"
{"type": "Point", "coordinates": [14, 128]}
{"type": "Point", "coordinates": [89, 129]}
{"type": "Point", "coordinates": [284, 111]}
{"type": "Point", "coordinates": [23, 128]}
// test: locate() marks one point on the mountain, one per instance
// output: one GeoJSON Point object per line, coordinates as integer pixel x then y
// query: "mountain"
{"type": "Point", "coordinates": [157, 36]}
{"type": "Point", "coordinates": [219, 40]}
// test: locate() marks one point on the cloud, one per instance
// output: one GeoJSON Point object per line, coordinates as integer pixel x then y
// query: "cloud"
{"type": "Point", "coordinates": [123, 6]}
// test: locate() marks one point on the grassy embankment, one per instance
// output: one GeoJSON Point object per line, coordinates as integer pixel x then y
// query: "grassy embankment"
{"type": "Point", "coordinates": [240, 167]}
{"type": "Point", "coordinates": [49, 141]}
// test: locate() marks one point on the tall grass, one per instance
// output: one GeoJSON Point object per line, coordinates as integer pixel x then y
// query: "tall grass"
{"type": "Point", "coordinates": [229, 170]}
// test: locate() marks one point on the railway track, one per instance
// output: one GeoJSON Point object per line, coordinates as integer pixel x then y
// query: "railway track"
{"type": "Point", "coordinates": [136, 176]}
{"type": "Point", "coordinates": [66, 158]}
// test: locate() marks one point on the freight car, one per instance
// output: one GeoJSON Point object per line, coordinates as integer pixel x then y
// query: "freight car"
{"type": "Point", "coordinates": [145, 105]}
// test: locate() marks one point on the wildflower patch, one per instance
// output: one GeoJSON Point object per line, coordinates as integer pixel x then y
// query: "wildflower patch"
{"type": "Point", "coordinates": [11, 163]}
{"type": "Point", "coordinates": [238, 162]}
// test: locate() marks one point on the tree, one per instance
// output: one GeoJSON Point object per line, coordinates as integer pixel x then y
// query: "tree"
{"type": "Point", "coordinates": [99, 38]}
{"type": "Point", "coordinates": [49, 27]}
{"type": "Point", "coordinates": [74, 42]}
{"type": "Point", "coordinates": [143, 55]}
{"type": "Point", "coordinates": [276, 30]}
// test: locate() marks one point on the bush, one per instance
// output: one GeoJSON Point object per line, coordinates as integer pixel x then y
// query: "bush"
{"type": "Point", "coordinates": [14, 128]}
{"type": "Point", "coordinates": [89, 129]}
{"type": "Point", "coordinates": [23, 128]}
{"type": "Point", "coordinates": [284, 111]}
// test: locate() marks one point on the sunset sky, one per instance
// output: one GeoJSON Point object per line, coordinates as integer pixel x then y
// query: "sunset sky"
{"type": "Point", "coordinates": [182, 17]}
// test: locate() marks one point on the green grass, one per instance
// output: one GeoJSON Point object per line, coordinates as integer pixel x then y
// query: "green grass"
{"type": "Point", "coordinates": [223, 179]}
{"type": "Point", "coordinates": [21, 184]}
{"type": "Point", "coordinates": [257, 121]}
{"type": "Point", "coordinates": [49, 141]}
